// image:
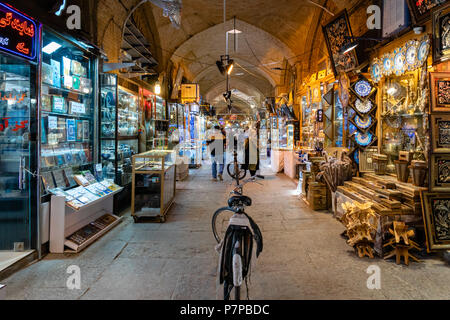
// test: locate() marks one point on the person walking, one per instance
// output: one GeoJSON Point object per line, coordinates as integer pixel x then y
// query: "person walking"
{"type": "Point", "coordinates": [216, 145]}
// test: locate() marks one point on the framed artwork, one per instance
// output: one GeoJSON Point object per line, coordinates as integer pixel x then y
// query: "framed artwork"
{"type": "Point", "coordinates": [441, 34]}
{"type": "Point", "coordinates": [421, 9]}
{"type": "Point", "coordinates": [440, 91]}
{"type": "Point", "coordinates": [436, 216]}
{"type": "Point", "coordinates": [440, 173]}
{"type": "Point", "coordinates": [440, 128]}
{"type": "Point", "coordinates": [338, 33]}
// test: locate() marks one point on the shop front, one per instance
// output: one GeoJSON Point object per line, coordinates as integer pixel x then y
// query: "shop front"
{"type": "Point", "coordinates": [19, 215]}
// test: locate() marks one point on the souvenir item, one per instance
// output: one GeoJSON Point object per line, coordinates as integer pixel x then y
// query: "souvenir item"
{"type": "Point", "coordinates": [79, 130]}
{"type": "Point", "coordinates": [411, 54]}
{"type": "Point", "coordinates": [363, 123]}
{"type": "Point", "coordinates": [85, 85]}
{"type": "Point", "coordinates": [71, 130]}
{"type": "Point", "coordinates": [59, 179]}
{"type": "Point", "coordinates": [363, 107]}
{"type": "Point", "coordinates": [399, 61]}
{"type": "Point", "coordinates": [77, 108]}
{"type": "Point", "coordinates": [59, 105]}
{"type": "Point", "coordinates": [388, 64]}
{"type": "Point", "coordinates": [440, 91]}
{"type": "Point", "coordinates": [56, 73]}
{"type": "Point", "coordinates": [76, 83]}
{"type": "Point", "coordinates": [375, 70]}
{"type": "Point", "coordinates": [46, 102]}
{"type": "Point", "coordinates": [68, 82]}
{"type": "Point", "coordinates": [363, 88]}
{"type": "Point", "coordinates": [86, 130]}
{"type": "Point", "coordinates": [47, 180]}
{"type": "Point", "coordinates": [338, 33]}
{"type": "Point", "coordinates": [47, 73]}
{"type": "Point", "coordinates": [363, 139]}
{"type": "Point", "coordinates": [77, 68]}
{"type": "Point", "coordinates": [440, 173]}
{"type": "Point", "coordinates": [440, 127]}
{"type": "Point", "coordinates": [436, 216]}
{"type": "Point", "coordinates": [441, 34]}
{"type": "Point", "coordinates": [423, 50]}
{"type": "Point", "coordinates": [66, 66]}
{"type": "Point", "coordinates": [421, 9]}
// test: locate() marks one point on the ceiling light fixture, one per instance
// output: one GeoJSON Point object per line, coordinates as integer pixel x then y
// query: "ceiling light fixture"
{"type": "Point", "coordinates": [157, 88]}
{"type": "Point", "coordinates": [51, 47]}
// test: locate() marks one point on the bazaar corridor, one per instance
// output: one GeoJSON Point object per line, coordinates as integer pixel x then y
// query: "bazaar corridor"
{"type": "Point", "coordinates": [304, 255]}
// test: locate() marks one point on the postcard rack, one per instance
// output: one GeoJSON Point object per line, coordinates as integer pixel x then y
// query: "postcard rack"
{"type": "Point", "coordinates": [72, 230]}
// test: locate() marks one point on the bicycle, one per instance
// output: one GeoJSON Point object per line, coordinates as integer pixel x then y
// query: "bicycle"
{"type": "Point", "coordinates": [237, 243]}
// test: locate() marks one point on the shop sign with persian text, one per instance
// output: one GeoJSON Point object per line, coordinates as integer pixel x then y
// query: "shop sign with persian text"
{"type": "Point", "coordinates": [18, 33]}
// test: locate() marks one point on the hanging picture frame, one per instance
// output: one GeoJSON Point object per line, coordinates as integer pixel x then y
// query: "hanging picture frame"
{"type": "Point", "coordinates": [337, 34]}
{"type": "Point", "coordinates": [440, 91]}
{"type": "Point", "coordinates": [421, 10]}
{"type": "Point", "coordinates": [441, 34]}
{"type": "Point", "coordinates": [436, 217]}
{"type": "Point", "coordinates": [440, 130]}
{"type": "Point", "coordinates": [440, 173]}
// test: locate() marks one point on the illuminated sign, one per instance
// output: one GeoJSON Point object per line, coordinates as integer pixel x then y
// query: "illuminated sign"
{"type": "Point", "coordinates": [18, 33]}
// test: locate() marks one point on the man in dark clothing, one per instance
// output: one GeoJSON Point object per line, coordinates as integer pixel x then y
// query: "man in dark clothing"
{"type": "Point", "coordinates": [217, 143]}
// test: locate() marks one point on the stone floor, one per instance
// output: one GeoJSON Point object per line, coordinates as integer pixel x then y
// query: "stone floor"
{"type": "Point", "coordinates": [304, 256]}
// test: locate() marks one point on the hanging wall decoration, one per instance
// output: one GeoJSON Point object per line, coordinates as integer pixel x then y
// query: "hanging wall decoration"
{"type": "Point", "coordinates": [441, 34]}
{"type": "Point", "coordinates": [363, 123]}
{"type": "Point", "coordinates": [363, 107]}
{"type": "Point", "coordinates": [421, 9]}
{"type": "Point", "coordinates": [440, 91]}
{"type": "Point", "coordinates": [440, 130]}
{"type": "Point", "coordinates": [409, 57]}
{"type": "Point", "coordinates": [436, 216]}
{"type": "Point", "coordinates": [337, 34]}
{"type": "Point", "coordinates": [440, 173]}
{"type": "Point", "coordinates": [363, 88]}
{"type": "Point", "coordinates": [363, 139]}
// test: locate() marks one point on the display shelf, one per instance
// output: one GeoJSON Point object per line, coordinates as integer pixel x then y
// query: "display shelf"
{"type": "Point", "coordinates": [68, 115]}
{"type": "Point", "coordinates": [77, 246]}
{"type": "Point", "coordinates": [55, 89]}
{"type": "Point", "coordinates": [92, 203]}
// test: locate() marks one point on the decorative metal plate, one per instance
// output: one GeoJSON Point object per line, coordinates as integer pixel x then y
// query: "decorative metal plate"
{"type": "Point", "coordinates": [363, 88]}
{"type": "Point", "coordinates": [363, 107]}
{"type": "Point", "coordinates": [363, 139]}
{"type": "Point", "coordinates": [363, 123]}
{"type": "Point", "coordinates": [411, 52]}
{"type": "Point", "coordinates": [423, 50]}
{"type": "Point", "coordinates": [399, 61]}
{"type": "Point", "coordinates": [388, 64]}
{"type": "Point", "coordinates": [375, 71]}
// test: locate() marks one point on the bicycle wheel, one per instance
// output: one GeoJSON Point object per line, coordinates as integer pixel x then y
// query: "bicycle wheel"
{"type": "Point", "coordinates": [220, 222]}
{"type": "Point", "coordinates": [230, 170]}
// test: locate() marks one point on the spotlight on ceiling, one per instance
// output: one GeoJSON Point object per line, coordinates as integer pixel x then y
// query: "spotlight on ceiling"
{"type": "Point", "coordinates": [225, 65]}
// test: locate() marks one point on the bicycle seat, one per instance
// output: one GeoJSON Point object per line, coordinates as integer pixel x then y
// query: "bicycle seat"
{"type": "Point", "coordinates": [237, 201]}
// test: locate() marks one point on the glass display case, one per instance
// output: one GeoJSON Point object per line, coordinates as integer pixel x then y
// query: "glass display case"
{"type": "Point", "coordinates": [68, 118]}
{"type": "Point", "coordinates": [156, 123]}
{"type": "Point", "coordinates": [119, 130]}
{"type": "Point", "coordinates": [275, 134]}
{"type": "Point", "coordinates": [154, 180]}
{"type": "Point", "coordinates": [402, 118]}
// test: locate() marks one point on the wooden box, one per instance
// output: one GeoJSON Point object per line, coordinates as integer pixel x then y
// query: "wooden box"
{"type": "Point", "coordinates": [317, 196]}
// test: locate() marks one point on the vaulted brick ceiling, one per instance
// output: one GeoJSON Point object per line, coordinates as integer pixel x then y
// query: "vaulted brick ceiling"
{"type": "Point", "coordinates": [273, 30]}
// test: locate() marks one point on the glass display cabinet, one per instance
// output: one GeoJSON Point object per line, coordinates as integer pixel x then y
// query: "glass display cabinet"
{"type": "Point", "coordinates": [154, 184]}
{"type": "Point", "coordinates": [275, 136]}
{"type": "Point", "coordinates": [156, 123]}
{"type": "Point", "coordinates": [68, 118]}
{"type": "Point", "coordinates": [402, 118]}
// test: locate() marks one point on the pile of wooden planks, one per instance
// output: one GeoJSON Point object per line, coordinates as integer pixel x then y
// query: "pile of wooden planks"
{"type": "Point", "coordinates": [388, 196]}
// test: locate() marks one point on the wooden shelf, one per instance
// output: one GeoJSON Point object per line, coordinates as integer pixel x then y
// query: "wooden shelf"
{"type": "Point", "coordinates": [75, 248]}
